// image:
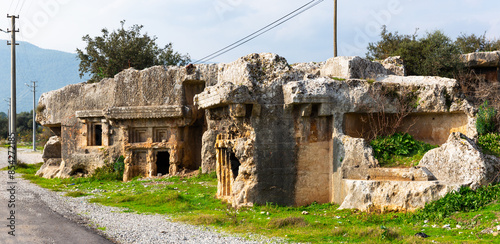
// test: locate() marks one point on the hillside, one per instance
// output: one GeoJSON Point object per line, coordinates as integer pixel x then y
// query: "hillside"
{"type": "Point", "coordinates": [52, 69]}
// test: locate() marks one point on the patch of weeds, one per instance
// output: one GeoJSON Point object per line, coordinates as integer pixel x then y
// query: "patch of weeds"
{"type": "Point", "coordinates": [75, 194]}
{"type": "Point", "coordinates": [486, 119]}
{"type": "Point", "coordinates": [113, 171]}
{"type": "Point", "coordinates": [288, 221]}
{"type": "Point", "coordinates": [490, 143]}
{"type": "Point", "coordinates": [464, 200]}
{"type": "Point", "coordinates": [399, 150]}
{"type": "Point", "coordinates": [370, 81]}
{"type": "Point", "coordinates": [336, 78]}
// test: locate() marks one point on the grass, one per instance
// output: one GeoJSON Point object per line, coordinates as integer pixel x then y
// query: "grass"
{"type": "Point", "coordinates": [23, 145]}
{"type": "Point", "coordinates": [192, 200]}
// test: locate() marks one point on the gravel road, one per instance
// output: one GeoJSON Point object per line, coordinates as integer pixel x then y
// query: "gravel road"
{"type": "Point", "coordinates": [53, 218]}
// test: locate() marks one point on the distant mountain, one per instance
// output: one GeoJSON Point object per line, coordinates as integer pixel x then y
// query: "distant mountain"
{"type": "Point", "coordinates": [52, 69]}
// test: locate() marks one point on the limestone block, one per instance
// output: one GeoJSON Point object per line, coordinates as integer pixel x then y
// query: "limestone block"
{"type": "Point", "coordinates": [52, 148]}
{"type": "Point", "coordinates": [352, 68]}
{"type": "Point", "coordinates": [50, 169]}
{"type": "Point", "coordinates": [394, 65]}
{"type": "Point", "coordinates": [482, 59]}
{"type": "Point", "coordinates": [399, 196]}
{"type": "Point", "coordinates": [460, 161]}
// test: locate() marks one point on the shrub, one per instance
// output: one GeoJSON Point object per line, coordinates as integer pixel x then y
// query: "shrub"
{"type": "Point", "coordinates": [385, 148]}
{"type": "Point", "coordinates": [486, 121]}
{"type": "Point", "coordinates": [464, 200]}
{"type": "Point", "coordinates": [490, 143]}
{"type": "Point", "coordinates": [113, 171]}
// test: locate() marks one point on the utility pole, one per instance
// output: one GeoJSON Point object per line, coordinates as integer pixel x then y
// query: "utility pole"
{"type": "Point", "coordinates": [13, 136]}
{"type": "Point", "coordinates": [334, 28]}
{"type": "Point", "coordinates": [33, 87]}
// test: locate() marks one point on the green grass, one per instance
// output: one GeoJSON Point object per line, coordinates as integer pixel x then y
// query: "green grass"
{"type": "Point", "coordinates": [39, 147]}
{"type": "Point", "coordinates": [192, 200]}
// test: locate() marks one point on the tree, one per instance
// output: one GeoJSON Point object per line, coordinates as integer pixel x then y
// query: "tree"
{"type": "Point", "coordinates": [120, 49]}
{"type": "Point", "coordinates": [434, 55]}
{"type": "Point", "coordinates": [473, 43]}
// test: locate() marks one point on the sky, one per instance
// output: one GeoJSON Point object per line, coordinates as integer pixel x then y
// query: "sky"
{"type": "Point", "coordinates": [201, 27]}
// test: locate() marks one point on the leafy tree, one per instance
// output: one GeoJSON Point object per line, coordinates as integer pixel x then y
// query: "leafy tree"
{"type": "Point", "coordinates": [435, 54]}
{"type": "Point", "coordinates": [120, 49]}
{"type": "Point", "coordinates": [4, 125]}
{"type": "Point", "coordinates": [473, 43]}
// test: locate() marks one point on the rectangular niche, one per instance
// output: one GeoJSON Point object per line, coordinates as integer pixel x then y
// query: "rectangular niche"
{"type": "Point", "coordinates": [161, 134]}
{"type": "Point", "coordinates": [138, 135]}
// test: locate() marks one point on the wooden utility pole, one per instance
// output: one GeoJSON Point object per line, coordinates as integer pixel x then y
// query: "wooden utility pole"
{"type": "Point", "coordinates": [33, 87]}
{"type": "Point", "coordinates": [334, 28]}
{"type": "Point", "coordinates": [13, 136]}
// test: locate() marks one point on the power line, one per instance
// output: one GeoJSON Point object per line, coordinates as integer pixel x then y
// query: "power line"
{"type": "Point", "coordinates": [22, 5]}
{"type": "Point", "coordinates": [10, 7]}
{"type": "Point", "coordinates": [261, 31]}
{"type": "Point", "coordinates": [242, 39]}
{"type": "Point", "coordinates": [17, 5]}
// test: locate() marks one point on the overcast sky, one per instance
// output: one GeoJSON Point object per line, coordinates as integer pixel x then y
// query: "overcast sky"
{"type": "Point", "coordinates": [200, 27]}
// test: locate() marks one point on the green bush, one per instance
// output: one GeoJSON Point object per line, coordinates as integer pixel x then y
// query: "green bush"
{"type": "Point", "coordinates": [464, 200]}
{"type": "Point", "coordinates": [387, 147]}
{"type": "Point", "coordinates": [490, 143]}
{"type": "Point", "coordinates": [111, 172]}
{"type": "Point", "coordinates": [486, 119]}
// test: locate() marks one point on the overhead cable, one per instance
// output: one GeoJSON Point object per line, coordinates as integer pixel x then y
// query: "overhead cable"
{"type": "Point", "coordinates": [261, 31]}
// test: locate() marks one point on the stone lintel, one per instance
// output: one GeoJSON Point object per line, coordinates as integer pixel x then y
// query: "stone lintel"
{"type": "Point", "coordinates": [89, 114]}
{"type": "Point", "coordinates": [148, 112]}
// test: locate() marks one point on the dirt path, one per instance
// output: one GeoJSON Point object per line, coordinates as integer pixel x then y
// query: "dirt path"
{"type": "Point", "coordinates": [35, 222]}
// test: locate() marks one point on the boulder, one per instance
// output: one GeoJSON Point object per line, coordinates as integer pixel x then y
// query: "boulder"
{"type": "Point", "coordinates": [52, 148]}
{"type": "Point", "coordinates": [352, 68]}
{"type": "Point", "coordinates": [398, 196]}
{"type": "Point", "coordinates": [51, 168]}
{"type": "Point", "coordinates": [460, 161]}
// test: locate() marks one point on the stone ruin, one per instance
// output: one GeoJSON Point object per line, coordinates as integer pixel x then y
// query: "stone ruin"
{"type": "Point", "coordinates": [485, 64]}
{"type": "Point", "coordinates": [273, 132]}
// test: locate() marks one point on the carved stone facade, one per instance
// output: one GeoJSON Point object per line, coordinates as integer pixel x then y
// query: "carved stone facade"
{"type": "Point", "coordinates": [273, 132]}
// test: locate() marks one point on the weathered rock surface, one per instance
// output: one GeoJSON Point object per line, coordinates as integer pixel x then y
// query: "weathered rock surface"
{"type": "Point", "coordinates": [352, 68]}
{"type": "Point", "coordinates": [460, 161]}
{"type": "Point", "coordinates": [395, 65]}
{"type": "Point", "coordinates": [52, 148]}
{"type": "Point", "coordinates": [482, 59]}
{"type": "Point", "coordinates": [399, 196]}
{"type": "Point", "coordinates": [51, 168]}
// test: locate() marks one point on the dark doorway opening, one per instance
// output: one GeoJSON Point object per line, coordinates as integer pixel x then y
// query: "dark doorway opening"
{"type": "Point", "coordinates": [162, 163]}
{"type": "Point", "coordinates": [235, 164]}
{"type": "Point", "coordinates": [98, 135]}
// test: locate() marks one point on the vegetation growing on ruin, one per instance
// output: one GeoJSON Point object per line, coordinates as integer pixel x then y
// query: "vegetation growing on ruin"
{"type": "Point", "coordinates": [466, 216]}
{"type": "Point", "coordinates": [490, 143]}
{"type": "Point", "coordinates": [486, 119]}
{"type": "Point", "coordinates": [434, 54]}
{"type": "Point", "coordinates": [399, 150]}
